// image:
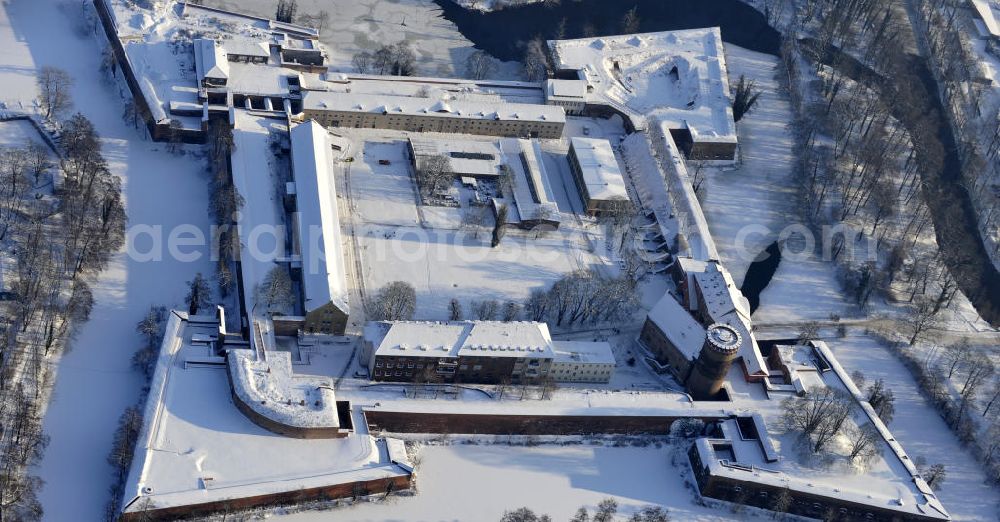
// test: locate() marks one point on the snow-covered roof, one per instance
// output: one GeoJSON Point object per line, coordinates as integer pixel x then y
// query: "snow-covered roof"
{"type": "Point", "coordinates": [466, 157]}
{"type": "Point", "coordinates": [272, 390]}
{"type": "Point", "coordinates": [245, 47]}
{"type": "Point", "coordinates": [599, 168]}
{"type": "Point", "coordinates": [723, 302]}
{"type": "Point", "coordinates": [720, 295]}
{"type": "Point", "coordinates": [196, 447]}
{"type": "Point", "coordinates": [210, 60]}
{"type": "Point", "coordinates": [532, 193]}
{"type": "Point", "coordinates": [679, 77]}
{"type": "Point", "coordinates": [678, 325]}
{"type": "Point", "coordinates": [462, 338]}
{"type": "Point", "coordinates": [583, 352]}
{"type": "Point", "coordinates": [569, 90]}
{"type": "Point", "coordinates": [988, 14]}
{"type": "Point", "coordinates": [390, 104]}
{"type": "Point", "coordinates": [318, 221]}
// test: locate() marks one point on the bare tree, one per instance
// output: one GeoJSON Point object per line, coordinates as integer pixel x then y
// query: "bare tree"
{"type": "Point", "coordinates": [864, 441]}
{"type": "Point", "coordinates": [882, 400]}
{"type": "Point", "coordinates": [285, 11]}
{"type": "Point", "coordinates": [54, 91]}
{"type": "Point", "coordinates": [630, 22]}
{"type": "Point", "coordinates": [619, 214]}
{"type": "Point", "coordinates": [923, 319]}
{"type": "Point", "coordinates": [434, 174]}
{"type": "Point", "coordinates": [956, 356]}
{"type": "Point", "coordinates": [650, 514]}
{"type": "Point", "coordinates": [934, 475]}
{"type": "Point", "coordinates": [362, 62]}
{"type": "Point", "coordinates": [511, 311]}
{"type": "Point", "coordinates": [535, 63]}
{"type": "Point", "coordinates": [546, 385]}
{"type": "Point", "coordinates": [745, 96]}
{"type": "Point", "coordinates": [275, 291]}
{"type": "Point", "coordinates": [317, 21]}
{"type": "Point", "coordinates": [396, 301]}
{"type": "Point", "coordinates": [522, 515]}
{"type": "Point", "coordinates": [782, 501]}
{"type": "Point", "coordinates": [819, 414]}
{"type": "Point", "coordinates": [454, 310]}
{"type": "Point", "coordinates": [199, 294]}
{"type": "Point", "coordinates": [980, 370]}
{"type": "Point", "coordinates": [480, 65]}
{"type": "Point", "coordinates": [500, 226]}
{"type": "Point", "coordinates": [486, 310]}
{"type": "Point", "coordinates": [606, 510]}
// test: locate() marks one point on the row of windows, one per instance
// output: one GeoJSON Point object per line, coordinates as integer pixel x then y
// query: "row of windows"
{"type": "Point", "coordinates": [419, 366]}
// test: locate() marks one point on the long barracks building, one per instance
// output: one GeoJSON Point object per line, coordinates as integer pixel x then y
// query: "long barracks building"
{"type": "Point", "coordinates": [414, 114]}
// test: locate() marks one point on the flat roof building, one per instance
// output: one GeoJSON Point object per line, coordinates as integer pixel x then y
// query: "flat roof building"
{"type": "Point", "coordinates": [415, 114]}
{"type": "Point", "coordinates": [582, 361]}
{"type": "Point", "coordinates": [476, 159]}
{"type": "Point", "coordinates": [596, 173]}
{"type": "Point", "coordinates": [484, 352]}
{"type": "Point", "coordinates": [568, 94]}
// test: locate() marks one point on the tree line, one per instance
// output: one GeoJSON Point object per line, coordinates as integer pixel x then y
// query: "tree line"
{"type": "Point", "coordinates": [64, 230]}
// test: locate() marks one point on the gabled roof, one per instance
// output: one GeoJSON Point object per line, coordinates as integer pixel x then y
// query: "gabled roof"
{"type": "Point", "coordinates": [210, 60]}
{"type": "Point", "coordinates": [318, 223]}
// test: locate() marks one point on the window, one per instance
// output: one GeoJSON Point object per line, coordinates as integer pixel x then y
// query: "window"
{"type": "Point", "coordinates": [399, 374]}
{"type": "Point", "coordinates": [477, 367]}
{"type": "Point", "coordinates": [378, 373]}
{"type": "Point", "coordinates": [378, 364]}
{"type": "Point", "coordinates": [463, 367]}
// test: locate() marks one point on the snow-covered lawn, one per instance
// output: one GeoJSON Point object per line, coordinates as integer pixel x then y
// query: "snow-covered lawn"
{"type": "Point", "coordinates": [94, 381]}
{"type": "Point", "coordinates": [748, 207]}
{"type": "Point", "coordinates": [919, 428]}
{"type": "Point", "coordinates": [443, 264]}
{"type": "Point", "coordinates": [470, 482]}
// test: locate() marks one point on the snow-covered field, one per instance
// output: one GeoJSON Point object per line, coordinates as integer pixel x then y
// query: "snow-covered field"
{"type": "Point", "coordinates": [94, 381]}
{"type": "Point", "coordinates": [921, 431]}
{"type": "Point", "coordinates": [471, 482]}
{"type": "Point", "coordinates": [750, 206]}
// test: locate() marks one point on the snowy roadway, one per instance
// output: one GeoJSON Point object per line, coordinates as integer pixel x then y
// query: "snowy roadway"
{"type": "Point", "coordinates": [94, 382]}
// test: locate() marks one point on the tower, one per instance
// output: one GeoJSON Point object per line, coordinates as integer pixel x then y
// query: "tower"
{"type": "Point", "coordinates": [722, 343]}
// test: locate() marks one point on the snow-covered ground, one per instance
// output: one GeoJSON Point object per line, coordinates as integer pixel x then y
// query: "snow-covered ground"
{"type": "Point", "coordinates": [94, 381]}
{"type": "Point", "coordinates": [473, 482]}
{"type": "Point", "coordinates": [921, 431]}
{"type": "Point", "coordinates": [429, 248]}
{"type": "Point", "coordinates": [750, 206]}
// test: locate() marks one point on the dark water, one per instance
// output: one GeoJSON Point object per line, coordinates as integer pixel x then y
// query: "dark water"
{"type": "Point", "coordinates": [759, 274]}
{"type": "Point", "coordinates": [503, 33]}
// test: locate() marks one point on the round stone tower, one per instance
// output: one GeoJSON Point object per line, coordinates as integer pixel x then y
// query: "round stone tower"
{"type": "Point", "coordinates": [722, 343]}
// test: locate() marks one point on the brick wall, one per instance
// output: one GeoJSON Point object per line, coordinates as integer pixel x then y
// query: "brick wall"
{"type": "Point", "coordinates": [408, 422]}
{"type": "Point", "coordinates": [336, 491]}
